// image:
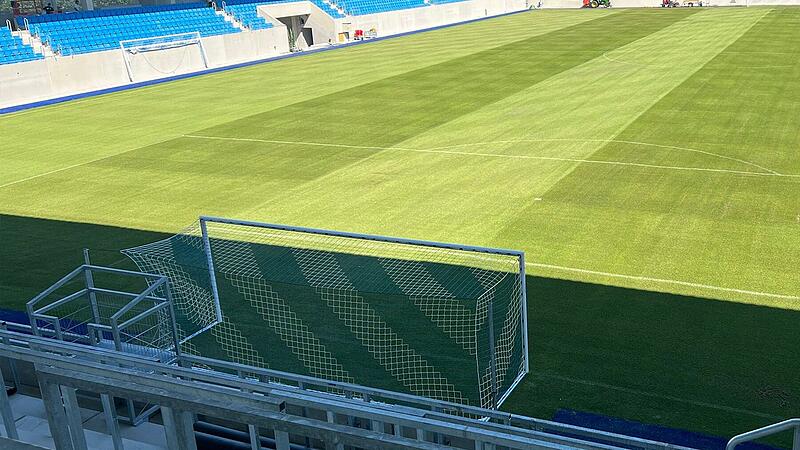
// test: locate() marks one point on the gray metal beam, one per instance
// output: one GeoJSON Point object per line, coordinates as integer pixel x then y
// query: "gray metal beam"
{"type": "Point", "coordinates": [254, 403]}
{"type": "Point", "coordinates": [56, 416]}
{"type": "Point", "coordinates": [179, 430]}
{"type": "Point", "coordinates": [5, 410]}
{"type": "Point", "coordinates": [74, 421]}
{"type": "Point", "coordinates": [234, 410]}
{"type": "Point", "coordinates": [110, 417]}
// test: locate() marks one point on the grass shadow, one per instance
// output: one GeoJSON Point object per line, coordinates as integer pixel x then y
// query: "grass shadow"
{"type": "Point", "coordinates": [685, 362]}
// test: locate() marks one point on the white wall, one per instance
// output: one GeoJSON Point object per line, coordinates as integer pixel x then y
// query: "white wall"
{"type": "Point", "coordinates": [322, 25]}
{"type": "Point", "coordinates": [326, 28]}
{"type": "Point", "coordinates": [395, 22]}
{"type": "Point", "coordinates": [57, 77]}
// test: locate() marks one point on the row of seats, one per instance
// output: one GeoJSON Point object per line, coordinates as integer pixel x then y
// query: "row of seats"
{"type": "Point", "coordinates": [359, 7]}
{"type": "Point", "coordinates": [12, 50]}
{"type": "Point", "coordinates": [106, 12]}
{"type": "Point", "coordinates": [350, 7]}
{"type": "Point", "coordinates": [72, 36]}
{"type": "Point", "coordinates": [253, 4]}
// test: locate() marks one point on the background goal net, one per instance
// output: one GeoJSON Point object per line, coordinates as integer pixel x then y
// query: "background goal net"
{"type": "Point", "coordinates": [172, 51]}
{"type": "Point", "coordinates": [437, 320]}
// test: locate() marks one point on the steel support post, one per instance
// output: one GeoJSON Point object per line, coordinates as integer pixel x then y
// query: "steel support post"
{"type": "Point", "coordinates": [5, 411]}
{"type": "Point", "coordinates": [110, 415]}
{"type": "Point", "coordinates": [56, 416]}
{"type": "Point", "coordinates": [74, 420]}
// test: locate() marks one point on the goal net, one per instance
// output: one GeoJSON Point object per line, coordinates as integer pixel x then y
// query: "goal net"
{"type": "Point", "coordinates": [437, 320]}
{"type": "Point", "coordinates": [162, 55]}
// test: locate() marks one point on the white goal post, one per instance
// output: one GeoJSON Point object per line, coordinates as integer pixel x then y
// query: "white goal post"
{"type": "Point", "coordinates": [437, 320]}
{"type": "Point", "coordinates": [132, 47]}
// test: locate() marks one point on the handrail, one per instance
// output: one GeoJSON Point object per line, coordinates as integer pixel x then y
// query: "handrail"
{"type": "Point", "coordinates": [767, 431]}
{"type": "Point", "coordinates": [499, 420]}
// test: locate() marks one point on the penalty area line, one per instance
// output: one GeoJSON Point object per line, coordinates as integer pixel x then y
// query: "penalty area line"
{"type": "Point", "coordinates": [441, 151]}
{"type": "Point", "coordinates": [663, 281]}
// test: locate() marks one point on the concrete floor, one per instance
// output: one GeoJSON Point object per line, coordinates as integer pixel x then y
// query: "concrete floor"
{"type": "Point", "coordinates": [30, 417]}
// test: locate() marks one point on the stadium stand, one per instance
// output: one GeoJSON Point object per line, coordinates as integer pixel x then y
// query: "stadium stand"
{"type": "Point", "coordinates": [360, 7]}
{"type": "Point", "coordinates": [92, 31]}
{"type": "Point", "coordinates": [248, 16]}
{"type": "Point", "coordinates": [245, 11]}
{"type": "Point", "coordinates": [13, 50]}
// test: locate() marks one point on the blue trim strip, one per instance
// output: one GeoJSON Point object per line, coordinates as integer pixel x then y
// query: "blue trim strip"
{"type": "Point", "coordinates": [53, 101]}
{"type": "Point", "coordinates": [647, 431]}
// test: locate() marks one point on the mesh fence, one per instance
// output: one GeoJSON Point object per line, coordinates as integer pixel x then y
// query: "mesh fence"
{"type": "Point", "coordinates": [438, 322]}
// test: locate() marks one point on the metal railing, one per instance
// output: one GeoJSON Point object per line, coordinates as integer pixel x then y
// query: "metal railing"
{"type": "Point", "coordinates": [786, 425]}
{"type": "Point", "coordinates": [431, 417]}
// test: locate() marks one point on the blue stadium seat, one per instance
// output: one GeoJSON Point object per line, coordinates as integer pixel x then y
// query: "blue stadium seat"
{"type": "Point", "coordinates": [12, 50]}
{"type": "Point", "coordinates": [332, 7]}
{"type": "Point", "coordinates": [92, 31]}
{"type": "Point", "coordinates": [243, 8]}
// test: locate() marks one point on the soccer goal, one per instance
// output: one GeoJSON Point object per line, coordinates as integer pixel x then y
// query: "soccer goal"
{"type": "Point", "coordinates": [159, 53]}
{"type": "Point", "coordinates": [437, 320]}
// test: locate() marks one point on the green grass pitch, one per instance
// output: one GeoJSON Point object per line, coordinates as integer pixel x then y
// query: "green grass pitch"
{"type": "Point", "coordinates": [646, 161]}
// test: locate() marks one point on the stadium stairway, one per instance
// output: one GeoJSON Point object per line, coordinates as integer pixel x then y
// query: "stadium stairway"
{"type": "Point", "coordinates": [14, 50]}
{"type": "Point", "coordinates": [92, 31]}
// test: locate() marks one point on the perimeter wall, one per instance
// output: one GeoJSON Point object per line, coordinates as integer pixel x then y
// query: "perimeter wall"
{"type": "Point", "coordinates": [55, 77]}
{"type": "Point", "coordinates": [58, 76]}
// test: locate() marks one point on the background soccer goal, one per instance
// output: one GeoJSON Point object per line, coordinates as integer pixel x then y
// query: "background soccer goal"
{"type": "Point", "coordinates": [438, 320]}
{"type": "Point", "coordinates": [134, 50]}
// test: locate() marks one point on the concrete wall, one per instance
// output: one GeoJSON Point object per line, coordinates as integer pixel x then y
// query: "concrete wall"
{"type": "Point", "coordinates": [61, 76]}
{"type": "Point", "coordinates": [326, 29]}
{"type": "Point", "coordinates": [322, 25]}
{"type": "Point", "coordinates": [57, 77]}
{"type": "Point", "coordinates": [389, 23]}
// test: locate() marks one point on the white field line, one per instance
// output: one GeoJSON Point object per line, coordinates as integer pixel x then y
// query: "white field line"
{"type": "Point", "coordinates": [443, 151]}
{"type": "Point", "coordinates": [673, 66]}
{"type": "Point", "coordinates": [620, 141]}
{"type": "Point", "coordinates": [663, 281]}
{"type": "Point", "coordinates": [551, 266]}
{"type": "Point", "coordinates": [659, 396]}
{"type": "Point", "coordinates": [33, 177]}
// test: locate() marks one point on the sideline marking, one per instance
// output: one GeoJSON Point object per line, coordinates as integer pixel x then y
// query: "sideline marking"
{"type": "Point", "coordinates": [442, 150]}
{"type": "Point", "coordinates": [33, 177]}
{"type": "Point", "coordinates": [663, 281]}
